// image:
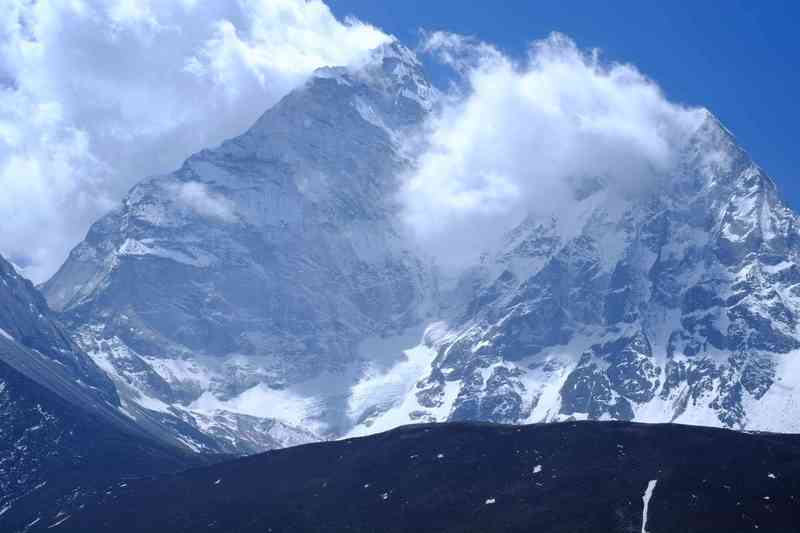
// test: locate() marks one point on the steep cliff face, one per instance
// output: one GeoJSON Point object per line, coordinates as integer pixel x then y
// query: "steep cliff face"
{"type": "Point", "coordinates": [262, 263]}
{"type": "Point", "coordinates": [266, 293]}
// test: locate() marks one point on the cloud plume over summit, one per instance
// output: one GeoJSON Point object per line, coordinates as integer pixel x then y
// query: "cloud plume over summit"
{"type": "Point", "coordinates": [516, 136]}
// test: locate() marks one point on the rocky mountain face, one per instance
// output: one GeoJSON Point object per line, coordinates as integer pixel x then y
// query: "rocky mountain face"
{"type": "Point", "coordinates": [266, 293]}
{"type": "Point", "coordinates": [681, 305]}
{"type": "Point", "coordinates": [62, 427]}
{"type": "Point", "coordinates": [259, 264]}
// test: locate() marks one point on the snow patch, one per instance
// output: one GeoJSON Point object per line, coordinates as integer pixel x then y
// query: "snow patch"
{"type": "Point", "coordinates": [261, 401]}
{"type": "Point", "coordinates": [58, 522]}
{"type": "Point", "coordinates": [648, 493]}
{"type": "Point", "coordinates": [190, 255]}
{"type": "Point", "coordinates": [4, 333]}
{"type": "Point", "coordinates": [777, 410]}
{"type": "Point", "coordinates": [390, 391]}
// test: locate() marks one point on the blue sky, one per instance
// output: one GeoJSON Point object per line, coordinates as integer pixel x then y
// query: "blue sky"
{"type": "Point", "coordinates": [739, 59]}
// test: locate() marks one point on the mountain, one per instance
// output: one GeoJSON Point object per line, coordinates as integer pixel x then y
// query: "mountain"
{"type": "Point", "coordinates": [568, 477]}
{"type": "Point", "coordinates": [259, 265]}
{"type": "Point", "coordinates": [680, 305]}
{"type": "Point", "coordinates": [267, 293]}
{"type": "Point", "coordinates": [63, 430]}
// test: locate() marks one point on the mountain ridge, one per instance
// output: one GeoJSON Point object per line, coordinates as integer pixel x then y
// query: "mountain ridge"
{"type": "Point", "coordinates": [273, 278]}
{"type": "Point", "coordinates": [476, 477]}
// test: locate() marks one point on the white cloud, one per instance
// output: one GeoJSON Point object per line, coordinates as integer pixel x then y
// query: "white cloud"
{"type": "Point", "coordinates": [97, 94]}
{"type": "Point", "coordinates": [521, 135]}
{"type": "Point", "coordinates": [460, 52]}
{"type": "Point", "coordinates": [198, 198]}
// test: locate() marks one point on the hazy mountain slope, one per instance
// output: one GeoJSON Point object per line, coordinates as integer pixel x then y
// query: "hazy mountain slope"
{"type": "Point", "coordinates": [459, 477]}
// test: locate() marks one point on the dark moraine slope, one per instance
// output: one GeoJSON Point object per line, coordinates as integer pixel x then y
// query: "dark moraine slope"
{"type": "Point", "coordinates": [54, 454]}
{"type": "Point", "coordinates": [570, 477]}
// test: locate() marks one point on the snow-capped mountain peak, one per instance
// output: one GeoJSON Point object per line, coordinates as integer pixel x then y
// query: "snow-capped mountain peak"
{"type": "Point", "coordinates": [269, 284]}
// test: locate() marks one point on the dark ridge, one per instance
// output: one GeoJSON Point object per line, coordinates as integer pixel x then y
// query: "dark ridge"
{"type": "Point", "coordinates": [465, 477]}
{"type": "Point", "coordinates": [57, 455]}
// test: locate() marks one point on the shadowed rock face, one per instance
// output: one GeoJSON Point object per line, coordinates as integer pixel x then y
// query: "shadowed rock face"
{"type": "Point", "coordinates": [566, 477]}
{"type": "Point", "coordinates": [239, 292]}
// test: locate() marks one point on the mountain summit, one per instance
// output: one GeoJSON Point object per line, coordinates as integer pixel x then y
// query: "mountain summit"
{"type": "Point", "coordinates": [260, 264]}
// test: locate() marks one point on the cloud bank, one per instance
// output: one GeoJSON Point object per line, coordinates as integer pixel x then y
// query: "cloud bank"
{"type": "Point", "coordinates": [98, 94]}
{"type": "Point", "coordinates": [515, 138]}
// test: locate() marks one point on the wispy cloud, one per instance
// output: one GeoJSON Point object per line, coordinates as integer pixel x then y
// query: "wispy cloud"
{"type": "Point", "coordinates": [198, 198]}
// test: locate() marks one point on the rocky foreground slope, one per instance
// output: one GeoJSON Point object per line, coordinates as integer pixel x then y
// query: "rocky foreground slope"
{"type": "Point", "coordinates": [570, 477]}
